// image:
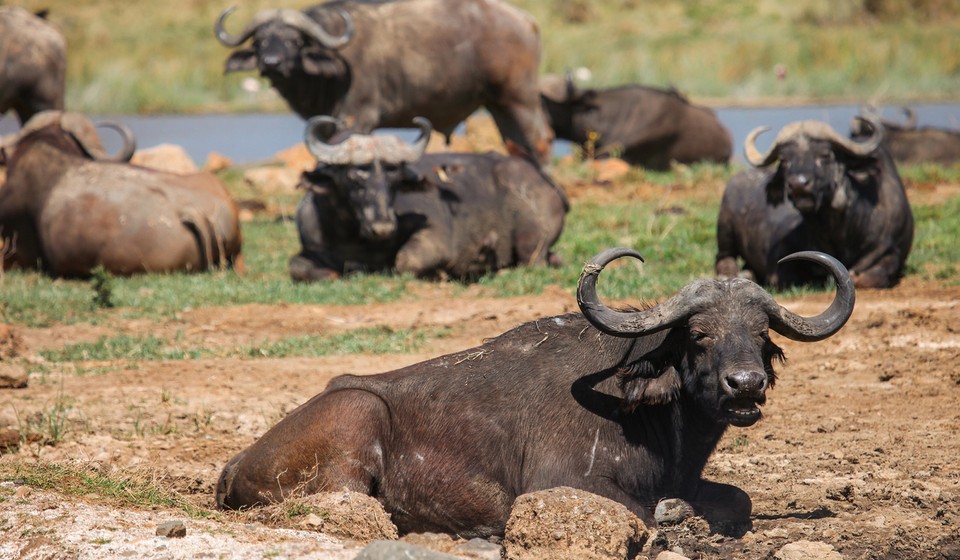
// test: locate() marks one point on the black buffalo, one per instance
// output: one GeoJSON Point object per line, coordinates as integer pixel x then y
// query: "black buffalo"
{"type": "Point", "coordinates": [375, 203]}
{"type": "Point", "coordinates": [908, 143]}
{"type": "Point", "coordinates": [828, 193]}
{"type": "Point", "coordinates": [33, 63]}
{"type": "Point", "coordinates": [642, 125]}
{"type": "Point", "coordinates": [381, 64]}
{"type": "Point", "coordinates": [625, 404]}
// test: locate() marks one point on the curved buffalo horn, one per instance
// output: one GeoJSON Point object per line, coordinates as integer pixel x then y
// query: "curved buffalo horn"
{"type": "Point", "coordinates": [124, 154]}
{"type": "Point", "coordinates": [571, 88]}
{"type": "Point", "coordinates": [236, 40]}
{"type": "Point", "coordinates": [311, 27]}
{"type": "Point", "coordinates": [630, 323]}
{"type": "Point", "coordinates": [316, 142]}
{"type": "Point", "coordinates": [80, 127]}
{"type": "Point", "coordinates": [812, 129]}
{"type": "Point", "coordinates": [812, 329]}
{"type": "Point", "coordinates": [911, 116]}
{"type": "Point", "coordinates": [752, 154]}
{"type": "Point", "coordinates": [419, 145]}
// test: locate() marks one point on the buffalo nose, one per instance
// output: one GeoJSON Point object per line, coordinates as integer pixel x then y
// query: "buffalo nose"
{"type": "Point", "coordinates": [382, 230]}
{"type": "Point", "coordinates": [745, 383]}
{"type": "Point", "coordinates": [798, 182]}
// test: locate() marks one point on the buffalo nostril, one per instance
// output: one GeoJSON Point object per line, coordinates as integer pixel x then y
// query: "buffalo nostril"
{"type": "Point", "coordinates": [745, 383]}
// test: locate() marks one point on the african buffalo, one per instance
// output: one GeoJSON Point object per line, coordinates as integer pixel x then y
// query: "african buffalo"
{"type": "Point", "coordinates": [642, 125]}
{"type": "Point", "coordinates": [625, 404]}
{"type": "Point", "coordinates": [845, 198]}
{"type": "Point", "coordinates": [66, 208]}
{"type": "Point", "coordinates": [908, 143]}
{"type": "Point", "coordinates": [376, 203]}
{"type": "Point", "coordinates": [381, 64]}
{"type": "Point", "coordinates": [33, 63]}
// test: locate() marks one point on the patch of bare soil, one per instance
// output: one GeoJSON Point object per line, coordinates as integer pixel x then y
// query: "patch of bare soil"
{"type": "Point", "coordinates": [858, 448]}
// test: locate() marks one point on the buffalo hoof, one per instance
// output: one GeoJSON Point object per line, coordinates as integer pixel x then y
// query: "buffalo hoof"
{"type": "Point", "coordinates": [303, 269]}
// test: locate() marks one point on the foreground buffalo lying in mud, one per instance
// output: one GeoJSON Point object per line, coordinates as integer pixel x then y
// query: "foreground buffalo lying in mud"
{"type": "Point", "coordinates": [828, 193]}
{"type": "Point", "coordinates": [641, 125]}
{"type": "Point", "coordinates": [625, 404]}
{"type": "Point", "coordinates": [67, 209]}
{"type": "Point", "coordinates": [381, 64]}
{"type": "Point", "coordinates": [375, 203]}
{"type": "Point", "coordinates": [908, 143]}
{"type": "Point", "coordinates": [33, 63]}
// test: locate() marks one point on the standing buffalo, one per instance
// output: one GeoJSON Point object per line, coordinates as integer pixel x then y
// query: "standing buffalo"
{"type": "Point", "coordinates": [845, 198]}
{"type": "Point", "coordinates": [625, 404]}
{"type": "Point", "coordinates": [381, 64]}
{"type": "Point", "coordinates": [642, 125]}
{"type": "Point", "coordinates": [375, 203]}
{"type": "Point", "coordinates": [33, 63]}
{"type": "Point", "coordinates": [907, 143]}
{"type": "Point", "coordinates": [66, 208]}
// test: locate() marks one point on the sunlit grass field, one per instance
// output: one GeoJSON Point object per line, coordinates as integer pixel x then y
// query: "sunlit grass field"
{"type": "Point", "coordinates": [162, 57]}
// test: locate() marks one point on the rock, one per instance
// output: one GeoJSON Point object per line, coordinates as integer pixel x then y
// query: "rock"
{"type": "Point", "coordinates": [670, 555]}
{"type": "Point", "coordinates": [217, 162]}
{"type": "Point", "coordinates": [273, 180]}
{"type": "Point", "coordinates": [12, 376]}
{"type": "Point", "coordinates": [608, 170]}
{"type": "Point", "coordinates": [565, 523]}
{"type": "Point", "coordinates": [392, 550]}
{"type": "Point", "coordinates": [9, 439]}
{"type": "Point", "coordinates": [807, 550]}
{"type": "Point", "coordinates": [165, 157]}
{"type": "Point", "coordinates": [481, 549]}
{"type": "Point", "coordinates": [347, 515]}
{"type": "Point", "coordinates": [671, 511]}
{"type": "Point", "coordinates": [298, 158]}
{"type": "Point", "coordinates": [172, 529]}
{"type": "Point", "coordinates": [11, 345]}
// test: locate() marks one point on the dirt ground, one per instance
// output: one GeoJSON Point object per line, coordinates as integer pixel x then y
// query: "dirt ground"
{"type": "Point", "coordinates": [858, 447]}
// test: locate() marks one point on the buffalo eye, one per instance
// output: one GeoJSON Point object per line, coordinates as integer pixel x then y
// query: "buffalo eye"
{"type": "Point", "coordinates": [699, 337]}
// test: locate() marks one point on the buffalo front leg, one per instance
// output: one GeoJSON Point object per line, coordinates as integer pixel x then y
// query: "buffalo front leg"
{"type": "Point", "coordinates": [424, 254]}
{"type": "Point", "coordinates": [525, 125]}
{"type": "Point", "coordinates": [330, 443]}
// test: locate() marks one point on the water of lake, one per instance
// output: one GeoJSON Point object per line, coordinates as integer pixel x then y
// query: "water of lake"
{"type": "Point", "coordinates": [249, 138]}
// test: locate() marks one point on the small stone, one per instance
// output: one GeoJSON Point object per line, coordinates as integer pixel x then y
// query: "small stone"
{"type": "Point", "coordinates": [390, 550]}
{"type": "Point", "coordinates": [313, 520]}
{"type": "Point", "coordinates": [807, 550]}
{"type": "Point", "coordinates": [481, 549]}
{"type": "Point", "coordinates": [671, 511]}
{"type": "Point", "coordinates": [12, 376]}
{"type": "Point", "coordinates": [22, 493]}
{"type": "Point", "coordinates": [172, 529]}
{"type": "Point", "coordinates": [671, 555]}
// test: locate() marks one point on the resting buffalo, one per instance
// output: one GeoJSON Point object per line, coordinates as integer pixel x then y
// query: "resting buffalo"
{"type": "Point", "coordinates": [381, 64]}
{"type": "Point", "coordinates": [845, 198]}
{"type": "Point", "coordinates": [907, 143]}
{"type": "Point", "coordinates": [67, 208]}
{"type": "Point", "coordinates": [376, 203]}
{"type": "Point", "coordinates": [33, 63]}
{"type": "Point", "coordinates": [625, 404]}
{"type": "Point", "coordinates": [642, 125]}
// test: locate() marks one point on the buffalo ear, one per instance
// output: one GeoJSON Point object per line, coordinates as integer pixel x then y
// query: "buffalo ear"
{"type": "Point", "coordinates": [644, 383]}
{"type": "Point", "coordinates": [241, 60]}
{"type": "Point", "coordinates": [588, 99]}
{"type": "Point", "coordinates": [775, 188]}
{"type": "Point", "coordinates": [316, 62]}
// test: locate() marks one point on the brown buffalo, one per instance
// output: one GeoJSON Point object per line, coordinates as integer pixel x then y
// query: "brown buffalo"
{"type": "Point", "coordinates": [33, 63]}
{"type": "Point", "coordinates": [382, 64]}
{"type": "Point", "coordinates": [66, 208]}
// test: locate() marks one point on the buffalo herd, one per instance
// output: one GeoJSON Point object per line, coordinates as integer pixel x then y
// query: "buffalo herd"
{"type": "Point", "coordinates": [625, 403]}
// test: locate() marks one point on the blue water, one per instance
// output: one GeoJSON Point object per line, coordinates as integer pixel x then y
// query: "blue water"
{"type": "Point", "coordinates": [250, 138]}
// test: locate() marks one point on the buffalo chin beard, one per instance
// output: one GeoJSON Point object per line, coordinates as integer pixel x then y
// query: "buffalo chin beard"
{"type": "Point", "coordinates": [741, 412]}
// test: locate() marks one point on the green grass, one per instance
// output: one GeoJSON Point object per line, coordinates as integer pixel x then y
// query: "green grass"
{"type": "Point", "coordinates": [162, 57]}
{"type": "Point", "coordinates": [678, 244]}
{"type": "Point", "coordinates": [121, 489]}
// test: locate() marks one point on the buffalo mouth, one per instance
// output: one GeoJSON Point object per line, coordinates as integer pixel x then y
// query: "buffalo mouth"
{"type": "Point", "coordinates": [742, 412]}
